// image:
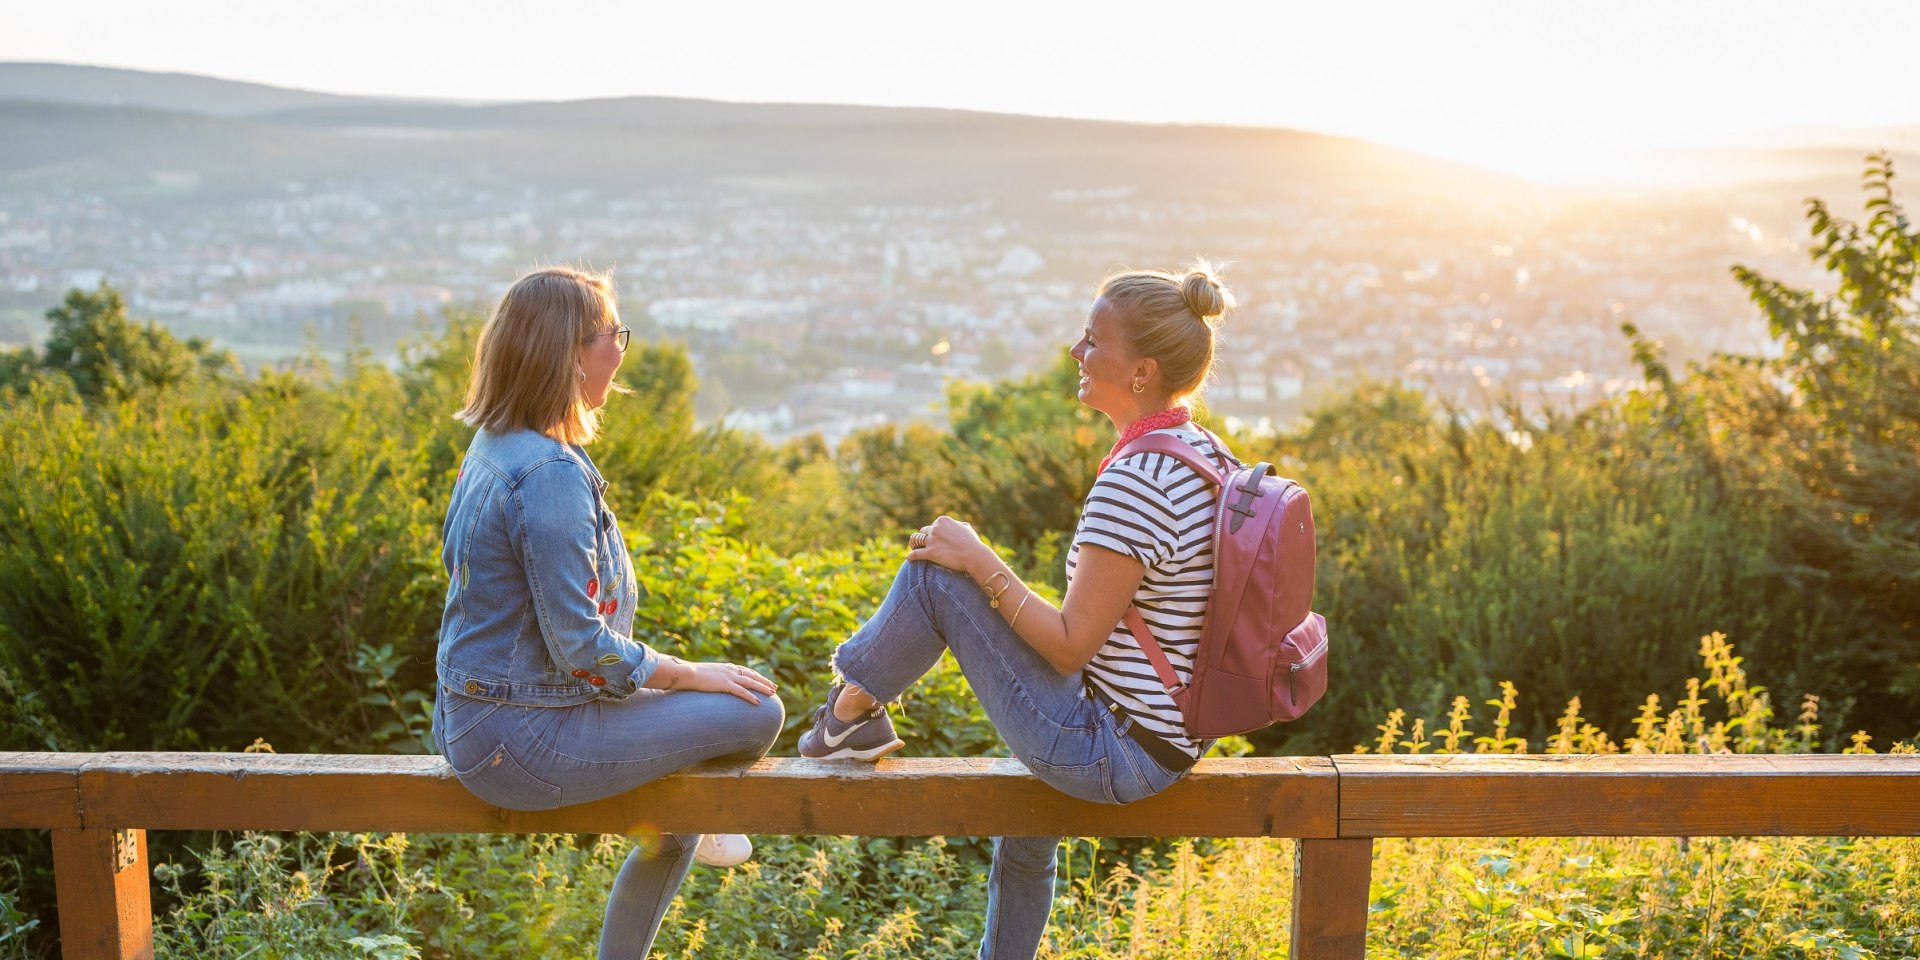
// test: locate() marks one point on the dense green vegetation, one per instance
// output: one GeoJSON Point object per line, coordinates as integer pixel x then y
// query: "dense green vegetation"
{"type": "Point", "coordinates": [195, 558]}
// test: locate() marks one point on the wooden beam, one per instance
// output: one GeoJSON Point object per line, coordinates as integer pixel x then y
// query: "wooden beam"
{"type": "Point", "coordinates": [40, 789]}
{"type": "Point", "coordinates": [1309, 797]}
{"type": "Point", "coordinates": [1331, 891]}
{"type": "Point", "coordinates": [106, 908]}
{"type": "Point", "coordinates": [1629, 796]}
{"type": "Point", "coordinates": [1287, 797]}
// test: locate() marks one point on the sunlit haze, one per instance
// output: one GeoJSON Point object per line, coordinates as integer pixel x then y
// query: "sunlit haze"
{"type": "Point", "coordinates": [1549, 90]}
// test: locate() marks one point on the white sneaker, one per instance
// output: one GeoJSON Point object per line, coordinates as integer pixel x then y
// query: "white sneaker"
{"type": "Point", "coordinates": [723, 849]}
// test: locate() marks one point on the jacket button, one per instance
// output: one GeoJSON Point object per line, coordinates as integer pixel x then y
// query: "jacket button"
{"type": "Point", "coordinates": [598, 681]}
{"type": "Point", "coordinates": [582, 674]}
{"type": "Point", "coordinates": [473, 686]}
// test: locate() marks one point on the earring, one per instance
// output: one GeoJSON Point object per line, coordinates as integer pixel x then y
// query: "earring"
{"type": "Point", "coordinates": [583, 373]}
{"type": "Point", "coordinates": [1139, 386]}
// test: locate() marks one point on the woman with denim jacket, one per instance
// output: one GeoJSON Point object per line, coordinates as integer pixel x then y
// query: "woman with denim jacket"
{"type": "Point", "coordinates": [546, 697]}
{"type": "Point", "coordinates": [1068, 688]}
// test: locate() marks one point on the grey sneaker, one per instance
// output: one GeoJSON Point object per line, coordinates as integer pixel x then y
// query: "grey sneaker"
{"type": "Point", "coordinates": [868, 738]}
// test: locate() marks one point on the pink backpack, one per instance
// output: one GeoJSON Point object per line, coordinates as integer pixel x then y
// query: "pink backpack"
{"type": "Point", "coordinates": [1262, 656]}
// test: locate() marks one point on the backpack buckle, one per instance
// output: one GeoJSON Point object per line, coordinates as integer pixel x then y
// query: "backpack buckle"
{"type": "Point", "coordinates": [1249, 491]}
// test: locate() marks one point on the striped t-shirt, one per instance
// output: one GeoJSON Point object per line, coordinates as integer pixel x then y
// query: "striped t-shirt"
{"type": "Point", "coordinates": [1157, 510]}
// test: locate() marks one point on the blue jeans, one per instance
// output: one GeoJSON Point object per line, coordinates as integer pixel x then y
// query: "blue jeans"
{"type": "Point", "coordinates": [1047, 718]}
{"type": "Point", "coordinates": [538, 758]}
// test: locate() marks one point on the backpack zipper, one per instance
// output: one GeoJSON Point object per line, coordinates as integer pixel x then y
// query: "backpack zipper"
{"type": "Point", "coordinates": [1293, 670]}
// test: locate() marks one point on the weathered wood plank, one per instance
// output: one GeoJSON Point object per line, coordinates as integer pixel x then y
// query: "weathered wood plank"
{"type": "Point", "coordinates": [1331, 881]}
{"type": "Point", "coordinates": [40, 789]}
{"type": "Point", "coordinates": [1376, 796]}
{"type": "Point", "coordinates": [106, 909]}
{"type": "Point", "coordinates": [909, 797]}
{"type": "Point", "coordinates": [1633, 796]}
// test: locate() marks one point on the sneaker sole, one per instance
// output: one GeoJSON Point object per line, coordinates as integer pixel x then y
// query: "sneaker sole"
{"type": "Point", "coordinates": [868, 755]}
{"type": "Point", "coordinates": [720, 864]}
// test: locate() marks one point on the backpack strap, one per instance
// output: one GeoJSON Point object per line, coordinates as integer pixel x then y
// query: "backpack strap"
{"type": "Point", "coordinates": [1180, 450]}
{"type": "Point", "coordinates": [1212, 472]}
{"type": "Point", "coordinates": [1151, 647]}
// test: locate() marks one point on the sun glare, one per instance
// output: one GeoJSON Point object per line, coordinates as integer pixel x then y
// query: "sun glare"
{"type": "Point", "coordinates": [1541, 161]}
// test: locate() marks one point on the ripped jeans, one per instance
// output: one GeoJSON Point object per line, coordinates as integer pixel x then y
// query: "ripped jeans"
{"type": "Point", "coordinates": [1046, 718]}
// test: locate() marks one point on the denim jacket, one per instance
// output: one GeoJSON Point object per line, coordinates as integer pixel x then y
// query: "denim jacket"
{"type": "Point", "coordinates": [541, 593]}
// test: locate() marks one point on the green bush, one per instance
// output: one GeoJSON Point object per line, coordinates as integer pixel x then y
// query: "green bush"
{"type": "Point", "coordinates": [207, 567]}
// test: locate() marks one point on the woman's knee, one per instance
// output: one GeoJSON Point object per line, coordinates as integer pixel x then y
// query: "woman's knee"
{"type": "Point", "coordinates": [756, 726]}
{"type": "Point", "coordinates": [954, 591]}
{"type": "Point", "coordinates": [769, 715]}
{"type": "Point", "coordinates": [944, 576]}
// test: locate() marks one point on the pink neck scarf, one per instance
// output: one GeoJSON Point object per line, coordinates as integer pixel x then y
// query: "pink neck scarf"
{"type": "Point", "coordinates": [1171, 417]}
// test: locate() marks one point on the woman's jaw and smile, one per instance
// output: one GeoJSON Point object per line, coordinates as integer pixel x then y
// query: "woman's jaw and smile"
{"type": "Point", "coordinates": [1108, 372]}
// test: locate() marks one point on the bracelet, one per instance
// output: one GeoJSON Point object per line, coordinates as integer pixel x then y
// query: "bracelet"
{"type": "Point", "coordinates": [1022, 606]}
{"type": "Point", "coordinates": [993, 596]}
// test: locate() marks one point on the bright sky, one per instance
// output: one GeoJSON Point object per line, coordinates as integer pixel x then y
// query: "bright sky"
{"type": "Point", "coordinates": [1566, 87]}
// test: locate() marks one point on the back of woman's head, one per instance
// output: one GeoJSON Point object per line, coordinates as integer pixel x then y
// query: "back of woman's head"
{"type": "Point", "coordinates": [526, 366]}
{"type": "Point", "coordinates": [1173, 319]}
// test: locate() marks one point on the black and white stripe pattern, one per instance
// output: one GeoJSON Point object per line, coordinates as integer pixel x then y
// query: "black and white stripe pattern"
{"type": "Point", "coordinates": [1157, 510]}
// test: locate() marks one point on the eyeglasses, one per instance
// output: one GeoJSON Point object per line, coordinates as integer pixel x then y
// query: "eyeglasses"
{"type": "Point", "coordinates": [620, 334]}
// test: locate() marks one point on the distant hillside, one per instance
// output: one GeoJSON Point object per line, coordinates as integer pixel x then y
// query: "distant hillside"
{"type": "Point", "coordinates": [642, 140]}
{"type": "Point", "coordinates": [180, 92]}
{"type": "Point", "coordinates": [102, 128]}
{"type": "Point", "coordinates": [126, 149]}
{"type": "Point", "coordinates": [656, 112]}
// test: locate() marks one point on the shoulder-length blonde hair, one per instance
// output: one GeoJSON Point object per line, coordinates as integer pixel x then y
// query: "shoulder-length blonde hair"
{"type": "Point", "coordinates": [526, 368]}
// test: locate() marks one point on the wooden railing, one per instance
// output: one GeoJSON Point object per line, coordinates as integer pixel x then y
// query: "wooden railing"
{"type": "Point", "coordinates": [99, 807]}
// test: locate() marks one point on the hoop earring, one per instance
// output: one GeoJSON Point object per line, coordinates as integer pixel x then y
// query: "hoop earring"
{"type": "Point", "coordinates": [1139, 387]}
{"type": "Point", "coordinates": [583, 373]}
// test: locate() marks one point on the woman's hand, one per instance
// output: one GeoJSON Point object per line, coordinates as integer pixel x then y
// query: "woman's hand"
{"type": "Point", "coordinates": [949, 543]}
{"type": "Point", "coordinates": [743, 682]}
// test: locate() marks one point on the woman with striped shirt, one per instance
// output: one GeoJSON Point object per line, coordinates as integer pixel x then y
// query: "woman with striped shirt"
{"type": "Point", "coordinates": [1068, 688]}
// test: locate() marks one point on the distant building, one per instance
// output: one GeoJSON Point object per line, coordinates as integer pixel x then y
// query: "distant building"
{"type": "Point", "coordinates": [868, 384]}
{"type": "Point", "coordinates": [1020, 262]}
{"type": "Point", "coordinates": [777, 420]}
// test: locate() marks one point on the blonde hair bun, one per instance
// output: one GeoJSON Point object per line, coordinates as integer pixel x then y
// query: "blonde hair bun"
{"type": "Point", "coordinates": [1203, 292]}
{"type": "Point", "coordinates": [1173, 319]}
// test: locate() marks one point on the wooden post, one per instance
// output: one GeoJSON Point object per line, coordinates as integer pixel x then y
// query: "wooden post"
{"type": "Point", "coordinates": [1330, 881]}
{"type": "Point", "coordinates": [106, 907]}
